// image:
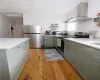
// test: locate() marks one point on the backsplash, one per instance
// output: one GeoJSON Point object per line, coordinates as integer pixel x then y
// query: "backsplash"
{"type": "Point", "coordinates": [89, 26]}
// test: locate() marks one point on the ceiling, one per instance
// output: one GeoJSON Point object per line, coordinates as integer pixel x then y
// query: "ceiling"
{"type": "Point", "coordinates": [41, 7]}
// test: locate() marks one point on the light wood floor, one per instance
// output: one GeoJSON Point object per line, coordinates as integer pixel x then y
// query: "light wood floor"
{"type": "Point", "coordinates": [37, 68]}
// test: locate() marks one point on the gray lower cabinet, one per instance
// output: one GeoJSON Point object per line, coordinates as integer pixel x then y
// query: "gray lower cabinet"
{"type": "Point", "coordinates": [86, 60]}
{"type": "Point", "coordinates": [49, 41]}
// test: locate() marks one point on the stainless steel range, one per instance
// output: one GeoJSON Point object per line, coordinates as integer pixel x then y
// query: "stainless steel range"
{"type": "Point", "coordinates": [60, 40]}
{"type": "Point", "coordinates": [60, 44]}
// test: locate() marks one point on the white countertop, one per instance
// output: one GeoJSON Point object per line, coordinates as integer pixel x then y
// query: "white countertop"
{"type": "Point", "coordinates": [7, 43]}
{"type": "Point", "coordinates": [86, 41]}
{"type": "Point", "coordinates": [60, 35]}
{"type": "Point", "coordinates": [52, 35]}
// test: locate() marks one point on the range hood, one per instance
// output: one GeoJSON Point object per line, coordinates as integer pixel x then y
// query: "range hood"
{"type": "Point", "coordinates": [79, 14]}
{"type": "Point", "coordinates": [78, 19]}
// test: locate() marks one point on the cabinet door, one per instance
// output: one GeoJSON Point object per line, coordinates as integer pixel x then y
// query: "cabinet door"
{"type": "Point", "coordinates": [70, 53]}
{"type": "Point", "coordinates": [85, 60]}
{"type": "Point", "coordinates": [55, 41]}
{"type": "Point", "coordinates": [95, 59]}
{"type": "Point", "coordinates": [76, 59]}
{"type": "Point", "coordinates": [17, 57]}
{"type": "Point", "coordinates": [74, 55]}
{"type": "Point", "coordinates": [49, 41]}
{"type": "Point", "coordinates": [89, 68]}
{"type": "Point", "coordinates": [4, 69]}
{"type": "Point", "coordinates": [67, 50]}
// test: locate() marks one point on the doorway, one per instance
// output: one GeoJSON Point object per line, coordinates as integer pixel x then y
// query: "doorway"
{"type": "Point", "coordinates": [15, 24]}
{"type": "Point", "coordinates": [16, 27]}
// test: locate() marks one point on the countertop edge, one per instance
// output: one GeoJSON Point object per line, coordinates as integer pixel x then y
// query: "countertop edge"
{"type": "Point", "coordinates": [16, 44]}
{"type": "Point", "coordinates": [86, 44]}
{"type": "Point", "coordinates": [20, 42]}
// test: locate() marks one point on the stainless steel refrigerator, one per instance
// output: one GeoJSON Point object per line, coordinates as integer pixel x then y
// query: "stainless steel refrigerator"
{"type": "Point", "coordinates": [34, 33]}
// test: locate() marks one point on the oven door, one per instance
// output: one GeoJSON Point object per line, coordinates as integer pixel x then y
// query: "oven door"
{"type": "Point", "coordinates": [60, 44]}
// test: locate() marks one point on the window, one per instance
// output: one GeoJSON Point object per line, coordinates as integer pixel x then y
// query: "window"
{"type": "Point", "coordinates": [71, 27]}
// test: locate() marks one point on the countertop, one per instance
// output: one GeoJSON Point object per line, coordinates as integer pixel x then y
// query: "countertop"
{"type": "Point", "coordinates": [52, 35]}
{"type": "Point", "coordinates": [95, 43]}
{"type": "Point", "coordinates": [70, 36]}
{"type": "Point", "coordinates": [7, 43]}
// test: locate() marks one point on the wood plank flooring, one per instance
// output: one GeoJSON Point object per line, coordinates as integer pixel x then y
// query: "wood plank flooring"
{"type": "Point", "coordinates": [37, 68]}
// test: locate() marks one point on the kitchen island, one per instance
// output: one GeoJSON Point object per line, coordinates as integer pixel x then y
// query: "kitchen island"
{"type": "Point", "coordinates": [84, 55]}
{"type": "Point", "coordinates": [14, 53]}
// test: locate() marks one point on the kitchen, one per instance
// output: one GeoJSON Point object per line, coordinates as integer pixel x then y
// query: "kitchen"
{"type": "Point", "coordinates": [68, 40]}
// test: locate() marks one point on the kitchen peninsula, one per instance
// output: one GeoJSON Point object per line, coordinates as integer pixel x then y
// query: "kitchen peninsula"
{"type": "Point", "coordinates": [84, 55]}
{"type": "Point", "coordinates": [14, 53]}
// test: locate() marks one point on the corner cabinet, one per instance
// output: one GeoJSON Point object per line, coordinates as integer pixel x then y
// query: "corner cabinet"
{"type": "Point", "coordinates": [86, 60]}
{"type": "Point", "coordinates": [49, 41]}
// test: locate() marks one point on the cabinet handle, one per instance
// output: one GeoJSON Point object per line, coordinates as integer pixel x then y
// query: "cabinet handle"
{"type": "Point", "coordinates": [18, 47]}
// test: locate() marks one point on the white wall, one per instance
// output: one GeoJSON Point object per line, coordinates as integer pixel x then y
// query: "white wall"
{"type": "Point", "coordinates": [44, 20]}
{"type": "Point", "coordinates": [89, 26]}
{"type": "Point", "coordinates": [15, 21]}
{"type": "Point", "coordinates": [4, 27]}
{"type": "Point", "coordinates": [93, 9]}
{"type": "Point", "coordinates": [18, 21]}
{"type": "Point", "coordinates": [47, 12]}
